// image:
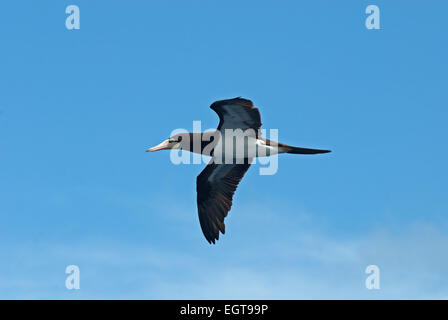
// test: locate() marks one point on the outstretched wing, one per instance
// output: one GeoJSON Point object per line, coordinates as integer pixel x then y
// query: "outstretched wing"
{"type": "Point", "coordinates": [237, 113]}
{"type": "Point", "coordinates": [215, 187]}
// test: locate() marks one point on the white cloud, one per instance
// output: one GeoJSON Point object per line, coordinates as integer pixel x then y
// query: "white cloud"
{"type": "Point", "coordinates": [267, 253]}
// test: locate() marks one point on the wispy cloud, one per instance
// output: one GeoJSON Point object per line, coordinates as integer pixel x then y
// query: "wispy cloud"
{"type": "Point", "coordinates": [311, 264]}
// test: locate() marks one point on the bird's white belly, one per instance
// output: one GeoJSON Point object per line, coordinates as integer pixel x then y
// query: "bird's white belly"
{"type": "Point", "coordinates": [241, 147]}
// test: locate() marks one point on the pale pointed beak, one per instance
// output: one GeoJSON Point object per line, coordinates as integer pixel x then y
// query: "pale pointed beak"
{"type": "Point", "coordinates": [162, 146]}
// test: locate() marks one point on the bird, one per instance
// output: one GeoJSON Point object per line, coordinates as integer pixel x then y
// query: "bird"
{"type": "Point", "coordinates": [217, 183]}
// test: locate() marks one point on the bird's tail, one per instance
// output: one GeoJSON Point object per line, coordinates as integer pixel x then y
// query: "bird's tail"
{"type": "Point", "coordinates": [298, 150]}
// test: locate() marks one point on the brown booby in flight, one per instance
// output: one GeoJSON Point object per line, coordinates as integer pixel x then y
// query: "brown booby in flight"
{"type": "Point", "coordinates": [217, 183]}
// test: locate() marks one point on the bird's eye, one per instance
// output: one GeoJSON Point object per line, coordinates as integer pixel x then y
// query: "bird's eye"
{"type": "Point", "coordinates": [179, 139]}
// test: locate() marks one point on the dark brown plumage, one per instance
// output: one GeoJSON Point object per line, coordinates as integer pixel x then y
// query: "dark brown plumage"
{"type": "Point", "coordinates": [215, 187]}
{"type": "Point", "coordinates": [238, 113]}
{"type": "Point", "coordinates": [217, 183]}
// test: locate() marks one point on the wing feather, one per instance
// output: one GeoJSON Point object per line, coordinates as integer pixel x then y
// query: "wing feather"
{"type": "Point", "coordinates": [237, 113]}
{"type": "Point", "coordinates": [215, 187]}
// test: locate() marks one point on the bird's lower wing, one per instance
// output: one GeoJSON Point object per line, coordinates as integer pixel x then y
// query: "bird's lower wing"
{"type": "Point", "coordinates": [215, 187]}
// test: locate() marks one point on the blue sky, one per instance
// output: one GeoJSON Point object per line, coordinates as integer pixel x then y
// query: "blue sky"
{"type": "Point", "coordinates": [78, 108]}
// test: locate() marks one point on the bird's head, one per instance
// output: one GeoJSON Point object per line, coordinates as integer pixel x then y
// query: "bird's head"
{"type": "Point", "coordinates": [171, 143]}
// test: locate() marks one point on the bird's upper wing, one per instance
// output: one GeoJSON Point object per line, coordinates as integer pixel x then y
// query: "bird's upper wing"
{"type": "Point", "coordinates": [215, 187]}
{"type": "Point", "coordinates": [237, 113]}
